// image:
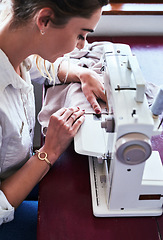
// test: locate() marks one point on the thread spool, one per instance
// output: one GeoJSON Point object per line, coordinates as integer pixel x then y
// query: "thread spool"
{"type": "Point", "coordinates": [157, 107]}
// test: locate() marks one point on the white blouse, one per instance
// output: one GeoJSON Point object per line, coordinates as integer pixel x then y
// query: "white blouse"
{"type": "Point", "coordinates": [17, 120]}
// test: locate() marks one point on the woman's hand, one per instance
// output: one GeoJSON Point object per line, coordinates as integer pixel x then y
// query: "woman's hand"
{"type": "Point", "coordinates": [63, 126]}
{"type": "Point", "coordinates": [92, 87]}
{"type": "Point", "coordinates": [91, 82]}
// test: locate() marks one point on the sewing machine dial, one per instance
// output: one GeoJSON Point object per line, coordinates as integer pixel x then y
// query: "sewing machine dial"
{"type": "Point", "coordinates": [133, 148]}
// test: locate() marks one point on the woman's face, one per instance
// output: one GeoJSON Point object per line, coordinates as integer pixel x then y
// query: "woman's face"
{"type": "Point", "coordinates": [59, 41]}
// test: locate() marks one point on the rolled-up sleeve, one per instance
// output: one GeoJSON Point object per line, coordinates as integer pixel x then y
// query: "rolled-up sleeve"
{"type": "Point", "coordinates": [6, 210]}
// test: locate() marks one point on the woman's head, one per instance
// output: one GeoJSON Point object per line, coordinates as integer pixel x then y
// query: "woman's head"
{"type": "Point", "coordinates": [56, 42]}
{"type": "Point", "coordinates": [51, 28]}
{"type": "Point", "coordinates": [63, 10]}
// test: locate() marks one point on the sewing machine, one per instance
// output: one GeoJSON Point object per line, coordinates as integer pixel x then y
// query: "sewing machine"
{"type": "Point", "coordinates": [126, 175]}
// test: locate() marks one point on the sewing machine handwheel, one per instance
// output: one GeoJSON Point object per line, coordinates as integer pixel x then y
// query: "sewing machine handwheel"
{"type": "Point", "coordinates": [133, 148]}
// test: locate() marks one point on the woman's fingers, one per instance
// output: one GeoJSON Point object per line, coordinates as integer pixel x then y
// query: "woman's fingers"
{"type": "Point", "coordinates": [68, 116]}
{"type": "Point", "coordinates": [93, 88]}
{"type": "Point", "coordinates": [63, 126]}
{"type": "Point", "coordinates": [77, 123]}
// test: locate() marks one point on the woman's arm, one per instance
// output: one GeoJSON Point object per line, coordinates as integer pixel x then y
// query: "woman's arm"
{"type": "Point", "coordinates": [63, 126]}
{"type": "Point", "coordinates": [91, 82]}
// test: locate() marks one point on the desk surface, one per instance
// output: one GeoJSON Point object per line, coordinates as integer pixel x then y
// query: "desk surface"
{"type": "Point", "coordinates": [65, 208]}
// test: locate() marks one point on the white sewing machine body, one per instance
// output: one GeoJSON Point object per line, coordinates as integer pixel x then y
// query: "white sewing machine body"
{"type": "Point", "coordinates": [126, 175]}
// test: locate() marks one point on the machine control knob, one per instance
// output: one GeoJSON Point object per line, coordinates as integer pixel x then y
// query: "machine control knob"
{"type": "Point", "coordinates": [108, 124]}
{"type": "Point", "coordinates": [133, 148]}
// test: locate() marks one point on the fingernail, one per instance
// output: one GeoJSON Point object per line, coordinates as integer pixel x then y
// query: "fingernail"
{"type": "Point", "coordinates": [98, 111]}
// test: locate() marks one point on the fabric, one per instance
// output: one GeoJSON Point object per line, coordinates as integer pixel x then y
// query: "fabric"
{"type": "Point", "coordinates": [17, 120]}
{"type": "Point", "coordinates": [91, 56]}
{"type": "Point", "coordinates": [71, 94]}
{"type": "Point", "coordinates": [64, 96]}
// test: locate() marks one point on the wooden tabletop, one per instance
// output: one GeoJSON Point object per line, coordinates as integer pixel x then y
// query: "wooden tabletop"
{"type": "Point", "coordinates": [65, 207]}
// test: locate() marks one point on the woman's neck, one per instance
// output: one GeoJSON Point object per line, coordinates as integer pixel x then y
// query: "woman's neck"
{"type": "Point", "coordinates": [16, 44]}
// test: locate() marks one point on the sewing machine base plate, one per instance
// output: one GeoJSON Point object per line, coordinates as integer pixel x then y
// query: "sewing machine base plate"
{"type": "Point", "coordinates": [99, 178]}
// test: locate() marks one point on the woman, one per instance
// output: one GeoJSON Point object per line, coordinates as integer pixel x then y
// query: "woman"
{"type": "Point", "coordinates": [48, 28]}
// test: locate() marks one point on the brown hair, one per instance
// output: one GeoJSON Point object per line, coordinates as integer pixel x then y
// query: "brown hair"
{"type": "Point", "coordinates": [64, 10]}
{"type": "Point", "coordinates": [24, 10]}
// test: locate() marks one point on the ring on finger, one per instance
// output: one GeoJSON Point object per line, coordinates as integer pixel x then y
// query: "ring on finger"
{"type": "Point", "coordinates": [73, 118]}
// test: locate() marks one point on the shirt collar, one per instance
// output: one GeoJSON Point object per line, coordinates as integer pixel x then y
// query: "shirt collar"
{"type": "Point", "coordinates": [10, 77]}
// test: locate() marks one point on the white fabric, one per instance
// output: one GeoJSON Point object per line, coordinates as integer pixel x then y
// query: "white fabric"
{"type": "Point", "coordinates": [71, 94]}
{"type": "Point", "coordinates": [64, 96]}
{"type": "Point", "coordinates": [6, 210]}
{"type": "Point", "coordinates": [17, 120]}
{"type": "Point", "coordinates": [91, 56]}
